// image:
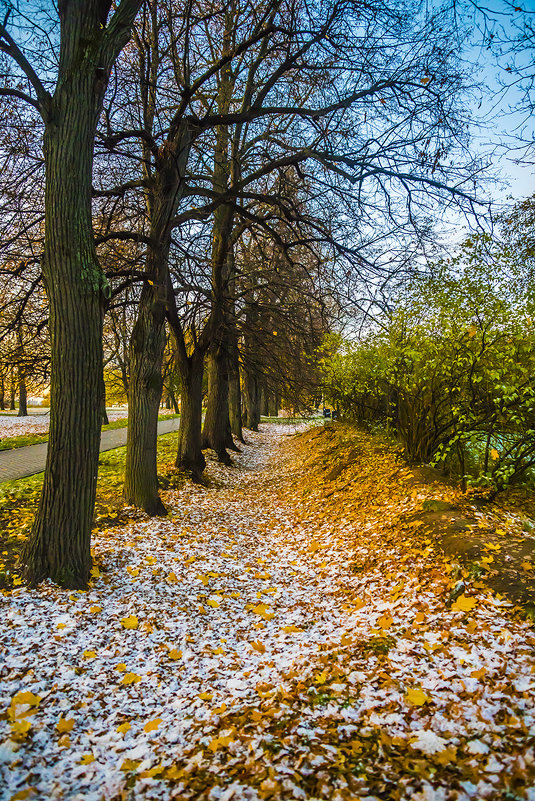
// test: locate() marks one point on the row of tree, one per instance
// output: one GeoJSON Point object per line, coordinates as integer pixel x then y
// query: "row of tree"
{"type": "Point", "coordinates": [218, 180]}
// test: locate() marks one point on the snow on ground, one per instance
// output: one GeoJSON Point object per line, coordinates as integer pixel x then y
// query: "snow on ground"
{"type": "Point", "coordinates": [14, 426]}
{"type": "Point", "coordinates": [229, 652]}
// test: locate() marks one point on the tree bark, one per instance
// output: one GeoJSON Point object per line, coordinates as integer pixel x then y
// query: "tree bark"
{"type": "Point", "coordinates": [190, 457]}
{"type": "Point", "coordinates": [12, 391]}
{"type": "Point", "coordinates": [148, 340]}
{"type": "Point", "coordinates": [2, 392]}
{"type": "Point", "coordinates": [104, 415]}
{"type": "Point", "coordinates": [59, 543]}
{"type": "Point", "coordinates": [146, 355]}
{"type": "Point", "coordinates": [216, 432]}
{"type": "Point", "coordinates": [234, 390]}
{"type": "Point", "coordinates": [23, 395]}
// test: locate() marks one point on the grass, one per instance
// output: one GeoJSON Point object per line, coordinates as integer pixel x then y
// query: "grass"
{"type": "Point", "coordinates": [19, 499]}
{"type": "Point", "coordinates": [9, 443]}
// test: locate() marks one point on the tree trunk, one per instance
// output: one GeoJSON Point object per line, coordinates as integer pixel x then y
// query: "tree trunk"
{"type": "Point", "coordinates": [234, 391]}
{"type": "Point", "coordinates": [190, 456]}
{"type": "Point", "coordinates": [12, 391]}
{"type": "Point", "coordinates": [104, 414]}
{"type": "Point", "coordinates": [59, 545]}
{"type": "Point", "coordinates": [2, 392]}
{"type": "Point", "coordinates": [148, 340]}
{"type": "Point", "coordinates": [216, 432]}
{"type": "Point", "coordinates": [265, 401]}
{"type": "Point", "coordinates": [251, 398]}
{"type": "Point", "coordinates": [145, 389]}
{"type": "Point", "coordinates": [23, 395]}
{"type": "Point", "coordinates": [60, 540]}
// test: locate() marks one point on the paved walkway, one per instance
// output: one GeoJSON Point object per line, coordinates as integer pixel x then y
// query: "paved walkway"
{"type": "Point", "coordinates": [21, 462]}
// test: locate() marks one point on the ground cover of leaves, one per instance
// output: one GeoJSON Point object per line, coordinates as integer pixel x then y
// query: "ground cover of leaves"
{"type": "Point", "coordinates": [285, 633]}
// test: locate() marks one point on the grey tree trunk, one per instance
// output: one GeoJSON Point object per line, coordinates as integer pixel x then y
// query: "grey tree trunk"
{"type": "Point", "coordinates": [23, 395]}
{"type": "Point", "coordinates": [190, 457]}
{"type": "Point", "coordinates": [59, 543]}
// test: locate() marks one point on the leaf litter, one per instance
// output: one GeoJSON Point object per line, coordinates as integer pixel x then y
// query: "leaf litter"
{"type": "Point", "coordinates": [274, 638]}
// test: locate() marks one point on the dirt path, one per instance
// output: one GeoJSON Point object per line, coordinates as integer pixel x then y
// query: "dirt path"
{"type": "Point", "coordinates": [250, 647]}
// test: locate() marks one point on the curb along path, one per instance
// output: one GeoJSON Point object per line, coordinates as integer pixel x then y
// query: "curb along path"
{"type": "Point", "coordinates": [22, 462]}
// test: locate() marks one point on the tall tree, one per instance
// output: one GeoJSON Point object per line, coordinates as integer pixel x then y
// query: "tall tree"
{"type": "Point", "coordinates": [89, 43]}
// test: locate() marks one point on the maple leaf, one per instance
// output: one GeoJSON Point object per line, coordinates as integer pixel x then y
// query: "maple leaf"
{"type": "Point", "coordinates": [174, 654]}
{"type": "Point", "coordinates": [152, 725]}
{"type": "Point", "coordinates": [130, 764]}
{"type": "Point", "coordinates": [130, 622]}
{"type": "Point", "coordinates": [464, 604]}
{"type": "Point", "coordinates": [206, 696]}
{"type": "Point", "coordinates": [258, 646]}
{"type": "Point", "coordinates": [130, 678]}
{"type": "Point", "coordinates": [64, 725]}
{"type": "Point", "coordinates": [292, 629]}
{"type": "Point", "coordinates": [385, 621]}
{"type": "Point", "coordinates": [416, 697]}
{"type": "Point", "coordinates": [90, 654]}
{"type": "Point", "coordinates": [264, 611]}
{"type": "Point", "coordinates": [123, 728]}
{"type": "Point", "coordinates": [86, 759]}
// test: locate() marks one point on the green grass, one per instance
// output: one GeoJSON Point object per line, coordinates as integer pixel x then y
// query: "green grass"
{"type": "Point", "coordinates": [23, 440]}
{"type": "Point", "coordinates": [19, 499]}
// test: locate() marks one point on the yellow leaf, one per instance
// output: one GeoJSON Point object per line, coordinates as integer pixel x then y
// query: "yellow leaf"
{"type": "Point", "coordinates": [204, 579]}
{"type": "Point", "coordinates": [26, 698]}
{"type": "Point", "coordinates": [472, 331]}
{"type": "Point", "coordinates": [494, 454]}
{"type": "Point", "coordinates": [134, 571]}
{"type": "Point", "coordinates": [21, 726]}
{"type": "Point", "coordinates": [95, 609]}
{"type": "Point", "coordinates": [130, 764]}
{"type": "Point", "coordinates": [23, 794]}
{"type": "Point", "coordinates": [121, 667]}
{"type": "Point", "coordinates": [86, 759]}
{"type": "Point", "coordinates": [172, 577]}
{"type": "Point", "coordinates": [264, 611]}
{"type": "Point", "coordinates": [292, 630]}
{"type": "Point", "coordinates": [321, 678]}
{"type": "Point", "coordinates": [152, 725]}
{"type": "Point", "coordinates": [213, 603]}
{"type": "Point", "coordinates": [130, 622]}
{"type": "Point", "coordinates": [416, 697]}
{"type": "Point", "coordinates": [174, 654]}
{"type": "Point", "coordinates": [464, 604]}
{"type": "Point", "coordinates": [65, 725]}
{"type": "Point", "coordinates": [123, 728]}
{"type": "Point", "coordinates": [95, 572]}
{"type": "Point", "coordinates": [258, 646]}
{"type": "Point", "coordinates": [202, 610]}
{"type": "Point", "coordinates": [385, 621]}
{"type": "Point", "coordinates": [64, 741]}
{"type": "Point", "coordinates": [206, 696]}
{"type": "Point", "coordinates": [90, 654]}
{"type": "Point", "coordinates": [130, 678]}
{"type": "Point", "coordinates": [478, 674]}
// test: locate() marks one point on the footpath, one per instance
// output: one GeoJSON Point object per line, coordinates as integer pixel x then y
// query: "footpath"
{"type": "Point", "coordinates": [22, 462]}
{"type": "Point", "coordinates": [287, 632]}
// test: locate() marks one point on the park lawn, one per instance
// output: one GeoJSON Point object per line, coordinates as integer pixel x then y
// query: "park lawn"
{"type": "Point", "coordinates": [19, 499]}
{"type": "Point", "coordinates": [36, 439]}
